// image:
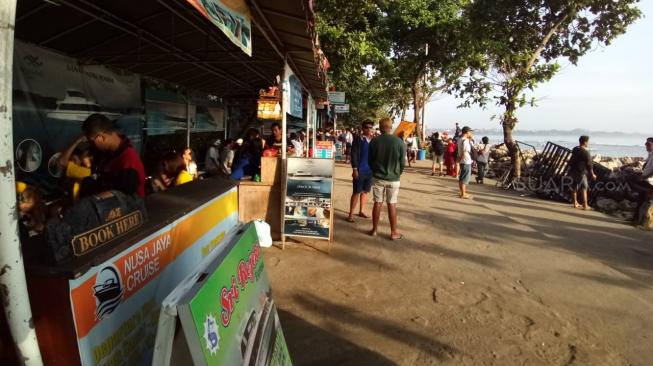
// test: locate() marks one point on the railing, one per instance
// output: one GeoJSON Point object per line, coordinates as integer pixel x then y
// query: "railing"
{"type": "Point", "coordinates": [550, 173]}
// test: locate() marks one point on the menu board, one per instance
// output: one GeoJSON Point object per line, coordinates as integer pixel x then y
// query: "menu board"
{"type": "Point", "coordinates": [308, 205]}
{"type": "Point", "coordinates": [324, 149]}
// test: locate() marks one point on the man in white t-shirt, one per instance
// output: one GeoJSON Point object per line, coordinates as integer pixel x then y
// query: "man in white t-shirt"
{"type": "Point", "coordinates": [212, 159]}
{"type": "Point", "coordinates": [227, 156]}
{"type": "Point", "coordinates": [465, 160]}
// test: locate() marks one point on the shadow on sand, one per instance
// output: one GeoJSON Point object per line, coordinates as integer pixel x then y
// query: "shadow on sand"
{"type": "Point", "coordinates": [394, 331]}
{"type": "Point", "coordinates": [314, 346]}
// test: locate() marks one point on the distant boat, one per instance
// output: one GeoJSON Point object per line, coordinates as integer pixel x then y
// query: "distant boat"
{"type": "Point", "coordinates": [302, 175]}
{"type": "Point", "coordinates": [77, 107]}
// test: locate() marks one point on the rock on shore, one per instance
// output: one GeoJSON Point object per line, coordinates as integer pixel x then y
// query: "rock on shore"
{"type": "Point", "coordinates": [614, 198]}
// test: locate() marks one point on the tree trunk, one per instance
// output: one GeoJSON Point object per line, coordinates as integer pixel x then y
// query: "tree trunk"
{"type": "Point", "coordinates": [417, 107]}
{"type": "Point", "coordinates": [403, 114]}
{"type": "Point", "coordinates": [509, 121]}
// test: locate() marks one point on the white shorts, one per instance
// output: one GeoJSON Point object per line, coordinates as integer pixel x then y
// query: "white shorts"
{"type": "Point", "coordinates": [384, 190]}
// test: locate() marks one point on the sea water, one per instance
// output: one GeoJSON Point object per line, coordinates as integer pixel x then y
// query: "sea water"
{"type": "Point", "coordinates": [604, 145]}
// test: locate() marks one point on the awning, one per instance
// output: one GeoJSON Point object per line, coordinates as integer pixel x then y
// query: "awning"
{"type": "Point", "coordinates": [171, 41]}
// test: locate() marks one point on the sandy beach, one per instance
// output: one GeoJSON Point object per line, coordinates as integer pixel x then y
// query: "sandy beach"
{"type": "Point", "coordinates": [499, 280]}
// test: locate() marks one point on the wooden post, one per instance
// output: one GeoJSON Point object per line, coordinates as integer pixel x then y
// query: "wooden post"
{"type": "Point", "coordinates": [187, 119]}
{"type": "Point", "coordinates": [309, 118]}
{"type": "Point", "coordinates": [285, 99]}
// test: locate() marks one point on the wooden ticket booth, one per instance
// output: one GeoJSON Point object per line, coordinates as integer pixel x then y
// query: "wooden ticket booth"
{"type": "Point", "coordinates": [78, 50]}
{"type": "Point", "coordinates": [103, 308]}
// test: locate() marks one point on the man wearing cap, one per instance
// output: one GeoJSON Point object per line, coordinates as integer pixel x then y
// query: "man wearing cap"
{"type": "Point", "coordinates": [465, 161]}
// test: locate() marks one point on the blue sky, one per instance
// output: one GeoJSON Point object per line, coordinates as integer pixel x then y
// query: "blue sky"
{"type": "Point", "coordinates": [611, 89]}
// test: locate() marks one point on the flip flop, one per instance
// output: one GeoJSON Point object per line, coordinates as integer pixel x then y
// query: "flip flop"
{"type": "Point", "coordinates": [350, 219]}
{"type": "Point", "coordinates": [401, 236]}
{"type": "Point", "coordinates": [466, 197]}
{"type": "Point", "coordinates": [365, 216]}
{"type": "Point", "coordinates": [371, 233]}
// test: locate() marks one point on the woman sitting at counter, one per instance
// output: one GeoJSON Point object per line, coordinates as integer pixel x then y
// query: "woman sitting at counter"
{"type": "Point", "coordinates": [172, 170]}
{"type": "Point", "coordinates": [191, 166]}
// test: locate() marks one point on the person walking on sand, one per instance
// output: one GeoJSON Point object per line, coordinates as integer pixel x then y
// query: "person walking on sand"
{"type": "Point", "coordinates": [483, 159]}
{"type": "Point", "coordinates": [465, 160]}
{"type": "Point", "coordinates": [580, 165]}
{"type": "Point", "coordinates": [437, 151]}
{"type": "Point", "coordinates": [362, 173]}
{"type": "Point", "coordinates": [387, 159]}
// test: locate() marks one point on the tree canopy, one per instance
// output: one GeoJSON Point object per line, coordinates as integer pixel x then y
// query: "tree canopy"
{"type": "Point", "coordinates": [482, 51]}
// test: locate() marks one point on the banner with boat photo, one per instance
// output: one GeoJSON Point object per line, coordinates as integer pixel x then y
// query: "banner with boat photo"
{"type": "Point", "coordinates": [308, 206]}
{"type": "Point", "coordinates": [53, 94]}
{"type": "Point", "coordinates": [171, 111]}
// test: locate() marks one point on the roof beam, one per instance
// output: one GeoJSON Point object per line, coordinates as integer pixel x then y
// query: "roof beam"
{"type": "Point", "coordinates": [159, 54]}
{"type": "Point", "coordinates": [284, 14]}
{"type": "Point", "coordinates": [120, 36]}
{"type": "Point", "coordinates": [32, 12]}
{"type": "Point", "coordinates": [112, 20]}
{"type": "Point", "coordinates": [205, 32]}
{"type": "Point", "coordinates": [67, 31]}
{"type": "Point", "coordinates": [285, 56]}
{"type": "Point", "coordinates": [165, 62]}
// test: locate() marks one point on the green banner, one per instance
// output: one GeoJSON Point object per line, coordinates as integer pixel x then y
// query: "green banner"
{"type": "Point", "coordinates": [234, 316]}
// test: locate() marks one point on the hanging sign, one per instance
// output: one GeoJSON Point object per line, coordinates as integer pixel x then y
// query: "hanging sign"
{"type": "Point", "coordinates": [337, 97]}
{"type": "Point", "coordinates": [296, 103]}
{"type": "Point", "coordinates": [232, 17]}
{"type": "Point", "coordinates": [324, 149]}
{"type": "Point", "coordinates": [341, 108]}
{"type": "Point", "coordinates": [308, 208]}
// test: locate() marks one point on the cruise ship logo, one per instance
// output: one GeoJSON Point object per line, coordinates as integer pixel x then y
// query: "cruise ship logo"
{"type": "Point", "coordinates": [33, 61]}
{"type": "Point", "coordinates": [108, 291]}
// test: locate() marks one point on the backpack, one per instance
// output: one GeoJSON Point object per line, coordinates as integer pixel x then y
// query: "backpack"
{"type": "Point", "coordinates": [437, 147]}
{"type": "Point", "coordinates": [472, 151]}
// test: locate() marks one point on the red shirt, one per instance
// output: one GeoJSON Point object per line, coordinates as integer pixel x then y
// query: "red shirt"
{"type": "Point", "coordinates": [124, 158]}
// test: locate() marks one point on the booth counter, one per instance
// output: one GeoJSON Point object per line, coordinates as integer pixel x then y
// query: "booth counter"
{"type": "Point", "coordinates": [262, 200]}
{"type": "Point", "coordinates": [102, 309]}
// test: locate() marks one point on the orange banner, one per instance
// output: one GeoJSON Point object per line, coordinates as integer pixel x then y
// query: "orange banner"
{"type": "Point", "coordinates": [146, 261]}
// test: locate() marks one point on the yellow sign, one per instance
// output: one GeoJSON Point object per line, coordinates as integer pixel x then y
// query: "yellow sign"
{"type": "Point", "coordinates": [406, 128]}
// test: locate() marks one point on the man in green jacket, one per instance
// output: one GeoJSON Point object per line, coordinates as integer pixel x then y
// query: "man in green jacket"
{"type": "Point", "coordinates": [387, 158]}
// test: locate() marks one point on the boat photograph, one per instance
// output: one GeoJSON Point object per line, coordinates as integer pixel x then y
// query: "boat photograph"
{"type": "Point", "coordinates": [77, 107]}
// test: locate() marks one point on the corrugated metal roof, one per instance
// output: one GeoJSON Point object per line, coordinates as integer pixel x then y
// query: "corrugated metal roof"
{"type": "Point", "coordinates": [170, 40]}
